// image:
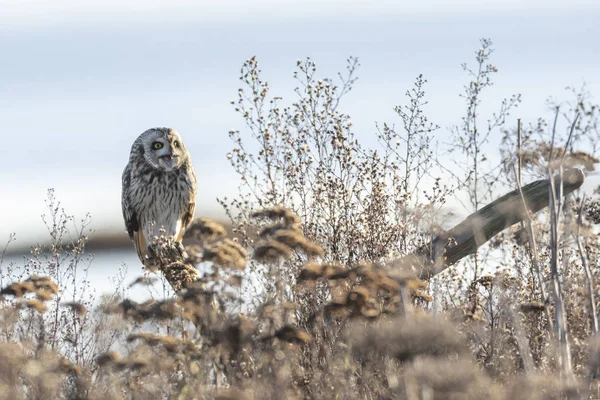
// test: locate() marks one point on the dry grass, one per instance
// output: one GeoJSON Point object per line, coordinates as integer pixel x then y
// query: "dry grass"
{"type": "Point", "coordinates": [303, 301]}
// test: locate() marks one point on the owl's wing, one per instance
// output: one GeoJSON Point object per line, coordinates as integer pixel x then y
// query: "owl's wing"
{"type": "Point", "coordinates": [188, 213]}
{"type": "Point", "coordinates": [188, 216]}
{"type": "Point", "coordinates": [131, 221]}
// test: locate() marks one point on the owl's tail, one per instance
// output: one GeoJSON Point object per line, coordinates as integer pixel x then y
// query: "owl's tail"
{"type": "Point", "coordinates": [141, 245]}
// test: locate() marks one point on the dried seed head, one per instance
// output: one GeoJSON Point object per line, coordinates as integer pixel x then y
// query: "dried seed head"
{"type": "Point", "coordinates": [66, 367]}
{"type": "Point", "coordinates": [419, 295]}
{"type": "Point", "coordinates": [293, 334]}
{"type": "Point", "coordinates": [35, 304]}
{"type": "Point", "coordinates": [271, 252]}
{"type": "Point", "coordinates": [231, 394]}
{"type": "Point", "coordinates": [43, 295]}
{"type": "Point", "coordinates": [227, 253]}
{"type": "Point", "coordinates": [43, 283]}
{"type": "Point", "coordinates": [180, 275]}
{"type": "Point", "coordinates": [108, 358]}
{"type": "Point", "coordinates": [532, 307]}
{"type": "Point", "coordinates": [78, 308]}
{"type": "Point", "coordinates": [404, 341]}
{"type": "Point", "coordinates": [143, 280]}
{"type": "Point", "coordinates": [273, 229]}
{"type": "Point", "coordinates": [18, 289]}
{"type": "Point", "coordinates": [169, 343]}
{"type": "Point", "coordinates": [235, 280]}
{"type": "Point", "coordinates": [205, 229]}
{"type": "Point", "coordinates": [278, 212]}
{"type": "Point", "coordinates": [160, 310]}
{"type": "Point", "coordinates": [359, 295]}
{"type": "Point", "coordinates": [296, 241]}
{"type": "Point", "coordinates": [311, 271]}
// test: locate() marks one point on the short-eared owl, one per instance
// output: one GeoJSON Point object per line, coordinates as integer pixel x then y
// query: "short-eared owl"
{"type": "Point", "coordinates": [159, 189]}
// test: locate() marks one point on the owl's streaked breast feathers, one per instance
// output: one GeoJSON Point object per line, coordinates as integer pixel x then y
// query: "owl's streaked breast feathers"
{"type": "Point", "coordinates": [159, 189]}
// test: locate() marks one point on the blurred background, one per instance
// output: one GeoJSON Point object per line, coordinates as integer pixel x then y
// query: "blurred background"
{"type": "Point", "coordinates": [80, 81]}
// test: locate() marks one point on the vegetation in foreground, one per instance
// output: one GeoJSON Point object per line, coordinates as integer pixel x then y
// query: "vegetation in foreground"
{"type": "Point", "coordinates": [305, 301]}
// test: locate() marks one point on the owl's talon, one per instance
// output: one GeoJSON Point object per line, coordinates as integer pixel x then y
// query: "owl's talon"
{"type": "Point", "coordinates": [180, 249]}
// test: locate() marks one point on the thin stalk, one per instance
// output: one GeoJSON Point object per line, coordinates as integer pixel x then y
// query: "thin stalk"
{"type": "Point", "coordinates": [586, 268]}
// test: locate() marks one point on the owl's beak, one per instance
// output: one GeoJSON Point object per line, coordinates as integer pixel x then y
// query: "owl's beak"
{"type": "Point", "coordinates": [169, 161]}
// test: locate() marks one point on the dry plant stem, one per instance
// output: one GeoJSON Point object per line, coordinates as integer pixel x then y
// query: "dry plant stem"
{"type": "Point", "coordinates": [560, 319]}
{"type": "Point", "coordinates": [588, 277]}
{"type": "Point", "coordinates": [586, 268]}
{"type": "Point", "coordinates": [534, 256]}
{"type": "Point", "coordinates": [533, 251]}
{"type": "Point", "coordinates": [522, 342]}
{"type": "Point", "coordinates": [465, 238]}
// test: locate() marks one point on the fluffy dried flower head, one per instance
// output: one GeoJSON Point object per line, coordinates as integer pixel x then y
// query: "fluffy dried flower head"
{"type": "Point", "coordinates": [406, 339]}
{"type": "Point", "coordinates": [108, 358]}
{"type": "Point", "coordinates": [452, 379]}
{"type": "Point", "coordinates": [592, 211]}
{"type": "Point", "coordinates": [271, 252]}
{"type": "Point", "coordinates": [296, 241]}
{"type": "Point", "coordinates": [78, 308]}
{"type": "Point", "coordinates": [43, 283]}
{"type": "Point", "coordinates": [278, 212]}
{"type": "Point", "coordinates": [205, 229]}
{"type": "Point", "coordinates": [273, 229]}
{"type": "Point", "coordinates": [143, 280]}
{"type": "Point", "coordinates": [162, 252]}
{"type": "Point", "coordinates": [67, 367]}
{"type": "Point", "coordinates": [35, 304]}
{"type": "Point", "coordinates": [231, 394]}
{"type": "Point", "coordinates": [180, 275]}
{"type": "Point", "coordinates": [311, 271]}
{"type": "Point", "coordinates": [158, 310]}
{"type": "Point", "coordinates": [227, 253]}
{"type": "Point", "coordinates": [169, 343]}
{"type": "Point", "coordinates": [18, 289]}
{"type": "Point", "coordinates": [541, 387]}
{"type": "Point", "coordinates": [293, 334]}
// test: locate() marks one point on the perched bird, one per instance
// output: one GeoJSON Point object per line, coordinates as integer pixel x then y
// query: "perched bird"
{"type": "Point", "coordinates": [159, 190]}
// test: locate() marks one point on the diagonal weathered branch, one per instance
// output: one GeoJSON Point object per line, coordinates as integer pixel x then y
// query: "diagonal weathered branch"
{"type": "Point", "coordinates": [465, 238]}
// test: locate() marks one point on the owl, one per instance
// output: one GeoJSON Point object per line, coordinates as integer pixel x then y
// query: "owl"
{"type": "Point", "coordinates": [159, 190]}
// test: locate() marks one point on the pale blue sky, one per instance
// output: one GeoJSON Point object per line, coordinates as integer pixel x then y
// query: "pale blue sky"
{"type": "Point", "coordinates": [79, 83]}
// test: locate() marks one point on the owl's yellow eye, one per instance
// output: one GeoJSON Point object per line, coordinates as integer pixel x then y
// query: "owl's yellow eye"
{"type": "Point", "coordinates": [157, 145]}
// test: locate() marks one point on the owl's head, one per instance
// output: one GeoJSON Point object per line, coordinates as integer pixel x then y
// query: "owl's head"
{"type": "Point", "coordinates": [162, 148]}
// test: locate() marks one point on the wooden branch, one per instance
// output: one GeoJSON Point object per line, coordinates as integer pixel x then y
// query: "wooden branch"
{"type": "Point", "coordinates": [465, 238]}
